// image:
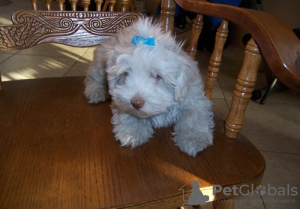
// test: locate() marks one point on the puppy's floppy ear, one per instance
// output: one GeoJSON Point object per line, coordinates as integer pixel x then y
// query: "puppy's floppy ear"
{"type": "Point", "coordinates": [117, 55]}
{"type": "Point", "coordinates": [186, 75]}
{"type": "Point", "coordinates": [110, 58]}
{"type": "Point", "coordinates": [181, 86]}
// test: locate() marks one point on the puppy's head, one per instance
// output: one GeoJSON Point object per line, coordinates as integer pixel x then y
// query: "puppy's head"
{"type": "Point", "coordinates": [146, 79]}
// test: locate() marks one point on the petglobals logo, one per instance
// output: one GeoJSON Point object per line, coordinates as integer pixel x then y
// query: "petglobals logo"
{"type": "Point", "coordinates": [246, 190]}
{"type": "Point", "coordinates": [194, 196]}
{"type": "Point", "coordinates": [199, 196]}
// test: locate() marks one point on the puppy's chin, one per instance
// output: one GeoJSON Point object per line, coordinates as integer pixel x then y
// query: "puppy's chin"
{"type": "Point", "coordinates": [141, 114]}
{"type": "Point", "coordinates": [136, 113]}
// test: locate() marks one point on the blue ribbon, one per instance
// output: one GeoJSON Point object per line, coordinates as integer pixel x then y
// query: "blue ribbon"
{"type": "Point", "coordinates": [145, 41]}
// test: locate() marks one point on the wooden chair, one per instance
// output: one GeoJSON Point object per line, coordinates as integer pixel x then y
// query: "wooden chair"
{"type": "Point", "coordinates": [109, 5]}
{"type": "Point", "coordinates": [58, 151]}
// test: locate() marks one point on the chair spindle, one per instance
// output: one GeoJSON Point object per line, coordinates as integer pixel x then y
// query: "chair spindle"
{"type": "Point", "coordinates": [124, 5]}
{"type": "Point", "coordinates": [61, 4]}
{"type": "Point", "coordinates": [243, 90]}
{"type": "Point", "coordinates": [34, 4]}
{"type": "Point", "coordinates": [73, 4]}
{"type": "Point", "coordinates": [167, 14]}
{"type": "Point", "coordinates": [131, 6]}
{"type": "Point", "coordinates": [86, 4]}
{"type": "Point", "coordinates": [196, 30]}
{"type": "Point", "coordinates": [110, 4]}
{"type": "Point", "coordinates": [98, 5]}
{"type": "Point", "coordinates": [216, 58]}
{"type": "Point", "coordinates": [48, 4]}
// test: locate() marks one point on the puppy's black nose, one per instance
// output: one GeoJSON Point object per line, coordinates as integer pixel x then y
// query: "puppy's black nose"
{"type": "Point", "coordinates": [137, 102]}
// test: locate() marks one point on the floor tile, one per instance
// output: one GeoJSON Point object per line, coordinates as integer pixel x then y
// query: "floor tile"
{"type": "Point", "coordinates": [220, 108]}
{"type": "Point", "coordinates": [249, 202]}
{"type": "Point", "coordinates": [217, 91]}
{"type": "Point", "coordinates": [8, 52]}
{"type": "Point", "coordinates": [234, 53]}
{"type": "Point", "coordinates": [281, 181]}
{"type": "Point", "coordinates": [81, 66]}
{"type": "Point", "coordinates": [283, 96]}
{"type": "Point", "coordinates": [26, 67]}
{"type": "Point", "coordinates": [4, 56]}
{"type": "Point", "coordinates": [78, 69]}
{"type": "Point", "coordinates": [5, 18]}
{"type": "Point", "coordinates": [202, 58]}
{"type": "Point", "coordinates": [273, 127]}
{"type": "Point", "coordinates": [57, 50]}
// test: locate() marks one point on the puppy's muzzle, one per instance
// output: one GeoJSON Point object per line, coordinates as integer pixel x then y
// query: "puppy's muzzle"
{"type": "Point", "coordinates": [137, 102]}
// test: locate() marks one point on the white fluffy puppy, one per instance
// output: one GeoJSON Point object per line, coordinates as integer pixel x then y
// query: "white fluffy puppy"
{"type": "Point", "coordinates": [153, 83]}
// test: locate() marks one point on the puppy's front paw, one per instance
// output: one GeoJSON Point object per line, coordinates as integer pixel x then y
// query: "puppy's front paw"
{"type": "Point", "coordinates": [193, 144]}
{"type": "Point", "coordinates": [129, 130]}
{"type": "Point", "coordinates": [97, 96]}
{"type": "Point", "coordinates": [95, 93]}
{"type": "Point", "coordinates": [129, 140]}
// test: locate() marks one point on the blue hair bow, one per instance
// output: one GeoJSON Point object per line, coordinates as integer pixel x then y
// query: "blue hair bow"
{"type": "Point", "coordinates": [145, 41]}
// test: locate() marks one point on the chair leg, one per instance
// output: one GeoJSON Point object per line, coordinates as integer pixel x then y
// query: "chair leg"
{"type": "Point", "coordinates": [224, 204]}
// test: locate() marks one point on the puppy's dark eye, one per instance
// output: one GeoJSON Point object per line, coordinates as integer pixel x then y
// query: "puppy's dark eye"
{"type": "Point", "coordinates": [121, 78]}
{"type": "Point", "coordinates": [156, 77]}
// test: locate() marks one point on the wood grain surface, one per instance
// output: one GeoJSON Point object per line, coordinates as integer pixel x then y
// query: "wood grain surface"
{"type": "Point", "coordinates": [58, 151]}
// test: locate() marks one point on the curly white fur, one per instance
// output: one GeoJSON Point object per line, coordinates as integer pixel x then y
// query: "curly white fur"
{"type": "Point", "coordinates": [151, 87]}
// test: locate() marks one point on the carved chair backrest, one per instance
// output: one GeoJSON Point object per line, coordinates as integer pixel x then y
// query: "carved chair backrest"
{"type": "Point", "coordinates": [79, 28]}
{"type": "Point", "coordinates": [86, 5]}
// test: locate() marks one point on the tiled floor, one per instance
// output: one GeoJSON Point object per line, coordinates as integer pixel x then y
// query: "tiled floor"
{"type": "Point", "coordinates": [273, 127]}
